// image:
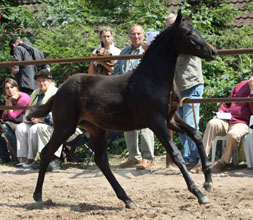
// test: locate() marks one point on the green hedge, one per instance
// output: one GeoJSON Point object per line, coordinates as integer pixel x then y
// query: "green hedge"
{"type": "Point", "coordinates": [69, 29]}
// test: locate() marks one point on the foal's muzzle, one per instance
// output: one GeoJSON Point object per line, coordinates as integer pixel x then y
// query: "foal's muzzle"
{"type": "Point", "coordinates": [211, 52]}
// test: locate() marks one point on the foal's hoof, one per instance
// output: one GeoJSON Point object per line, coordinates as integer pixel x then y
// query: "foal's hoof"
{"type": "Point", "coordinates": [208, 187]}
{"type": "Point", "coordinates": [203, 200]}
{"type": "Point", "coordinates": [37, 197]}
{"type": "Point", "coordinates": [131, 205]}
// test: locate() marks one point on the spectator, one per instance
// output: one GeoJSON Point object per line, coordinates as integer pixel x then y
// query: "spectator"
{"type": "Point", "coordinates": [190, 83]}
{"type": "Point", "coordinates": [10, 117]}
{"type": "Point", "coordinates": [144, 158]}
{"type": "Point", "coordinates": [234, 129]}
{"type": "Point", "coordinates": [24, 75]}
{"type": "Point", "coordinates": [106, 48]}
{"type": "Point", "coordinates": [26, 132]}
{"type": "Point", "coordinates": [44, 133]}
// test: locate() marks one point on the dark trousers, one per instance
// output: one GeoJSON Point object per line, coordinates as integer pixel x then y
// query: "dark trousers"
{"type": "Point", "coordinates": [4, 154]}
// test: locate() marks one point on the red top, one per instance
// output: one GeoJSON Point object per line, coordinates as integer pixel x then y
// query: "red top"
{"type": "Point", "coordinates": [240, 111]}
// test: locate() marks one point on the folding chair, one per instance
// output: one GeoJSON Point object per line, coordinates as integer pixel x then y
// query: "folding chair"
{"type": "Point", "coordinates": [80, 140]}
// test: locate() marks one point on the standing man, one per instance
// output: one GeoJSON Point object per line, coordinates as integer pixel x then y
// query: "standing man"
{"type": "Point", "coordinates": [190, 83]}
{"type": "Point", "coordinates": [24, 75]}
{"type": "Point", "coordinates": [143, 158]}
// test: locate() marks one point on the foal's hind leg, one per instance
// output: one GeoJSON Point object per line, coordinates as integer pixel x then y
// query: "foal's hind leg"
{"type": "Point", "coordinates": [177, 124]}
{"type": "Point", "coordinates": [98, 141]}
{"type": "Point", "coordinates": [161, 131]}
{"type": "Point", "coordinates": [46, 155]}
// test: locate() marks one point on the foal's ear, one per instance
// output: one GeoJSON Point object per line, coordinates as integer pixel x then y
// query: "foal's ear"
{"type": "Point", "coordinates": [179, 18]}
{"type": "Point", "coordinates": [189, 17]}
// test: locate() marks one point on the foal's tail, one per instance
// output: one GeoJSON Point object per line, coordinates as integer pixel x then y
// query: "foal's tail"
{"type": "Point", "coordinates": [42, 110]}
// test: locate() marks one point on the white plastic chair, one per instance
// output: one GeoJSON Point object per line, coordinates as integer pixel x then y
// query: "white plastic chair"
{"type": "Point", "coordinates": [214, 145]}
{"type": "Point", "coordinates": [246, 143]}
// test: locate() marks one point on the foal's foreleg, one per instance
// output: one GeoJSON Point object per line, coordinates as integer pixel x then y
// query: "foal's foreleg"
{"type": "Point", "coordinates": [98, 140]}
{"type": "Point", "coordinates": [179, 125]}
{"type": "Point", "coordinates": [161, 131]}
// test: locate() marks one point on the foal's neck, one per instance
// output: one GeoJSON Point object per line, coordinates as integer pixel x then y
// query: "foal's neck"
{"type": "Point", "coordinates": [159, 61]}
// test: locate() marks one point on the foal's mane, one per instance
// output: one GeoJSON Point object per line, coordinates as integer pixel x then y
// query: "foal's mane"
{"type": "Point", "coordinates": [167, 33]}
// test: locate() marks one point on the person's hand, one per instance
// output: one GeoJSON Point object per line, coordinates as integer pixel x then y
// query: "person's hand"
{"type": "Point", "coordinates": [8, 100]}
{"type": "Point", "coordinates": [14, 72]}
{"type": "Point", "coordinates": [250, 82]}
{"type": "Point", "coordinates": [27, 121]}
{"type": "Point", "coordinates": [15, 97]}
{"type": "Point", "coordinates": [100, 62]}
{"type": "Point", "coordinates": [36, 120]}
{"type": "Point", "coordinates": [145, 45]}
{"type": "Point", "coordinates": [13, 75]}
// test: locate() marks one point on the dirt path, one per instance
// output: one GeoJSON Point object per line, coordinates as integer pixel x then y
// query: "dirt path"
{"type": "Point", "coordinates": [161, 193]}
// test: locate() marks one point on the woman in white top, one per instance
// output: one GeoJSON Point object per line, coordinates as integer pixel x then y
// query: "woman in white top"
{"type": "Point", "coordinates": [106, 48]}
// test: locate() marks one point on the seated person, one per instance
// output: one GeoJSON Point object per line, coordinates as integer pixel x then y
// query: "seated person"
{"type": "Point", "coordinates": [234, 129]}
{"type": "Point", "coordinates": [11, 117]}
{"type": "Point", "coordinates": [44, 133]}
{"type": "Point", "coordinates": [26, 132]}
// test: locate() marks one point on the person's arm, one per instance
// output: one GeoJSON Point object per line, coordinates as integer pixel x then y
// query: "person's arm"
{"type": "Point", "coordinates": [17, 56]}
{"type": "Point", "coordinates": [117, 68]}
{"type": "Point", "coordinates": [8, 102]}
{"type": "Point", "coordinates": [225, 106]}
{"type": "Point", "coordinates": [251, 93]}
{"type": "Point", "coordinates": [22, 101]}
{"type": "Point", "coordinates": [107, 64]}
{"type": "Point", "coordinates": [91, 68]}
{"type": "Point", "coordinates": [14, 71]}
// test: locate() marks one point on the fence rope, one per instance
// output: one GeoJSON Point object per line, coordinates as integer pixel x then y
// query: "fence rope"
{"type": "Point", "coordinates": [105, 58]}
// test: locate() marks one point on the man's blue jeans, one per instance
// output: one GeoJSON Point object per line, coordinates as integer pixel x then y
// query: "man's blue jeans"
{"type": "Point", "coordinates": [190, 153]}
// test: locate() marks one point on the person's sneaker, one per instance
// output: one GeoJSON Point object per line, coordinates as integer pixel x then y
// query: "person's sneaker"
{"type": "Point", "coordinates": [27, 165]}
{"type": "Point", "coordinates": [20, 164]}
{"type": "Point", "coordinates": [128, 163]}
{"type": "Point", "coordinates": [53, 165]}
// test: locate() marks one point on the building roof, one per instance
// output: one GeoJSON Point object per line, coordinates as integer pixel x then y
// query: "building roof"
{"type": "Point", "coordinates": [245, 18]}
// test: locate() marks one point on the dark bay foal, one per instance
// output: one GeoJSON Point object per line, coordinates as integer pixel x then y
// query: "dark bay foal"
{"type": "Point", "coordinates": [139, 99]}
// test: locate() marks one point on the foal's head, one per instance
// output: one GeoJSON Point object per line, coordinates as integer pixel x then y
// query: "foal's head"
{"type": "Point", "coordinates": [191, 41]}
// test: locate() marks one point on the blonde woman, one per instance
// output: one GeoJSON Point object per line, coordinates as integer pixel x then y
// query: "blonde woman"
{"type": "Point", "coordinates": [106, 48]}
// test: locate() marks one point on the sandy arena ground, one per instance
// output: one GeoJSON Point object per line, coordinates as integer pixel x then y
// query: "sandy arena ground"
{"type": "Point", "coordinates": [161, 193]}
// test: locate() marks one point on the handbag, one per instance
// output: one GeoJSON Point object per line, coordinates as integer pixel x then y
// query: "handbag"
{"type": "Point", "coordinates": [13, 122]}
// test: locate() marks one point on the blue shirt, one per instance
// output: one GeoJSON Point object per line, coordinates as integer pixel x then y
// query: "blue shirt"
{"type": "Point", "coordinates": [123, 66]}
